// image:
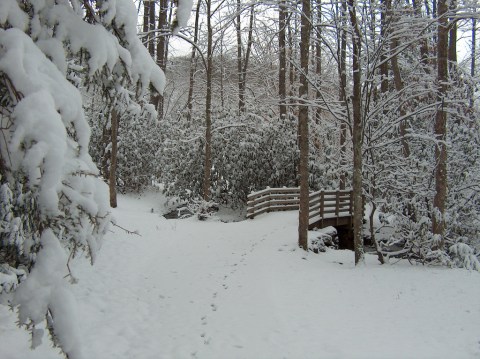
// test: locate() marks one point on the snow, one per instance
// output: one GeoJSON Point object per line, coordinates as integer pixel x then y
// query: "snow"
{"type": "Point", "coordinates": [45, 289]}
{"type": "Point", "coordinates": [208, 289]}
{"type": "Point", "coordinates": [143, 67]}
{"type": "Point", "coordinates": [10, 12]}
{"type": "Point", "coordinates": [182, 14]}
{"type": "Point", "coordinates": [50, 105]}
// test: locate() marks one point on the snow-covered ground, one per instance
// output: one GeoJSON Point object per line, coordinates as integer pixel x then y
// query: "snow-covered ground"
{"type": "Point", "coordinates": [193, 289]}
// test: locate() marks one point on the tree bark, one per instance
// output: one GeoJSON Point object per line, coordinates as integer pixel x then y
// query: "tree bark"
{"type": "Point", "coordinates": [146, 23]}
{"type": "Point", "coordinates": [208, 108]}
{"type": "Point", "coordinates": [440, 128]}
{"type": "Point", "coordinates": [472, 63]}
{"type": "Point", "coordinates": [162, 45]}
{"type": "Point", "coordinates": [383, 57]}
{"type": "Point", "coordinates": [398, 82]}
{"type": "Point", "coordinates": [292, 30]}
{"type": "Point", "coordinates": [357, 137]}
{"type": "Point", "coordinates": [417, 8]}
{"type": "Point", "coordinates": [303, 127]}
{"type": "Point", "coordinates": [241, 89]}
{"type": "Point", "coordinates": [282, 57]}
{"type": "Point", "coordinates": [452, 41]}
{"type": "Point", "coordinates": [342, 92]}
{"type": "Point", "coordinates": [193, 64]}
{"type": "Point", "coordinates": [318, 58]}
{"type": "Point", "coordinates": [247, 54]}
{"type": "Point", "coordinates": [112, 178]}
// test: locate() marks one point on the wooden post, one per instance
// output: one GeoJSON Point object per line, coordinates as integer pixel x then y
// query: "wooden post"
{"type": "Point", "coordinates": [350, 208]}
{"type": "Point", "coordinates": [337, 205]}
{"type": "Point", "coordinates": [322, 205]}
{"type": "Point", "coordinates": [268, 198]}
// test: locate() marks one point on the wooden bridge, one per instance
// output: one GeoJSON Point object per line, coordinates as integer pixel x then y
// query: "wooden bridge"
{"type": "Point", "coordinates": [327, 208]}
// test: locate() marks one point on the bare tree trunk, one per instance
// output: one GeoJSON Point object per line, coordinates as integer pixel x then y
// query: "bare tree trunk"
{"type": "Point", "coordinates": [357, 137]}
{"type": "Point", "coordinates": [222, 75]}
{"type": "Point", "coordinates": [151, 27]}
{"type": "Point", "coordinates": [383, 57]}
{"type": "Point", "coordinates": [162, 45]}
{"type": "Point", "coordinates": [146, 23]}
{"type": "Point", "coordinates": [242, 63]}
{"type": "Point", "coordinates": [208, 108]}
{"type": "Point", "coordinates": [417, 8]}
{"type": "Point", "coordinates": [318, 57]}
{"type": "Point", "coordinates": [292, 30]}
{"type": "Point", "coordinates": [282, 86]}
{"type": "Point", "coordinates": [241, 90]}
{"type": "Point", "coordinates": [247, 54]}
{"type": "Point", "coordinates": [472, 63]}
{"type": "Point", "coordinates": [452, 40]}
{"type": "Point", "coordinates": [193, 64]}
{"type": "Point", "coordinates": [440, 129]}
{"type": "Point", "coordinates": [303, 127]}
{"type": "Point", "coordinates": [112, 178]}
{"type": "Point", "coordinates": [342, 92]}
{"type": "Point", "coordinates": [397, 79]}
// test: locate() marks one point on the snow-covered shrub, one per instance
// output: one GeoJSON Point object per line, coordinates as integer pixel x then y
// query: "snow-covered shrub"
{"type": "Point", "coordinates": [138, 138]}
{"type": "Point", "coordinates": [409, 185]}
{"type": "Point", "coordinates": [201, 208]}
{"type": "Point", "coordinates": [53, 201]}
{"type": "Point", "coordinates": [463, 256]}
{"type": "Point", "coordinates": [248, 153]}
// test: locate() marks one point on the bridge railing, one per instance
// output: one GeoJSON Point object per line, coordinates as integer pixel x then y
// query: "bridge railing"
{"type": "Point", "coordinates": [323, 204]}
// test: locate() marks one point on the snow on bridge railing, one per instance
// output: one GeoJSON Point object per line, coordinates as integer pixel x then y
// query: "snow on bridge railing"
{"type": "Point", "coordinates": [323, 204]}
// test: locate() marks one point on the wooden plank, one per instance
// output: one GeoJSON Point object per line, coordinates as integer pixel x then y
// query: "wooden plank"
{"type": "Point", "coordinates": [324, 206]}
{"type": "Point", "coordinates": [273, 191]}
{"type": "Point", "coordinates": [269, 196]}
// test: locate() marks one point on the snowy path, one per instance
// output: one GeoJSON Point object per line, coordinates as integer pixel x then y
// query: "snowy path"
{"type": "Point", "coordinates": [190, 289]}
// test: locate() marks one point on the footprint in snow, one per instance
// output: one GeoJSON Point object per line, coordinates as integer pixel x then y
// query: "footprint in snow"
{"type": "Point", "coordinates": [214, 307]}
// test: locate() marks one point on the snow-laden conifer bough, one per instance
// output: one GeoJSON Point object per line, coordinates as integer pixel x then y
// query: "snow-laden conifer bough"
{"type": "Point", "coordinates": [53, 203]}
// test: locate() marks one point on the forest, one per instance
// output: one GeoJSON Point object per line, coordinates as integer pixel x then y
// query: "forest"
{"type": "Point", "coordinates": [209, 101]}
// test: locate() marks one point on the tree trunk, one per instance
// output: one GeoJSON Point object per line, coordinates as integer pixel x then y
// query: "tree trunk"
{"type": "Point", "coordinates": [146, 23]}
{"type": "Point", "coordinates": [357, 137]}
{"type": "Point", "coordinates": [318, 58]}
{"type": "Point", "coordinates": [383, 56]}
{"type": "Point", "coordinates": [397, 78]}
{"type": "Point", "coordinates": [247, 54]}
{"type": "Point", "coordinates": [222, 75]}
{"type": "Point", "coordinates": [292, 30]}
{"type": "Point", "coordinates": [282, 57]}
{"type": "Point", "coordinates": [342, 92]}
{"type": "Point", "coordinates": [208, 108]}
{"type": "Point", "coordinates": [193, 64]}
{"type": "Point", "coordinates": [472, 64]}
{"type": "Point", "coordinates": [303, 127]}
{"type": "Point", "coordinates": [417, 8]}
{"type": "Point", "coordinates": [112, 178]}
{"type": "Point", "coordinates": [452, 40]}
{"type": "Point", "coordinates": [156, 98]}
{"type": "Point", "coordinates": [439, 201]}
{"type": "Point", "coordinates": [241, 89]}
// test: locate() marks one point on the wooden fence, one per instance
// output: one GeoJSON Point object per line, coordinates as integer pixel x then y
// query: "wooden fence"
{"type": "Point", "coordinates": [326, 207]}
